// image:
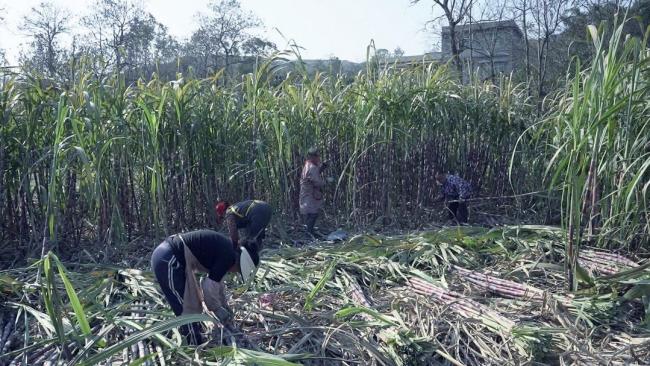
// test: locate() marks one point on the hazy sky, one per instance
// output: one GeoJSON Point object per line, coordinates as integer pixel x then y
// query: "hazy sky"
{"type": "Point", "coordinates": [323, 27]}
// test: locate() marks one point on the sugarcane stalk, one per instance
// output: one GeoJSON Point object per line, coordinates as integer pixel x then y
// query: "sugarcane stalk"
{"type": "Point", "coordinates": [504, 290]}
{"type": "Point", "coordinates": [601, 262]}
{"type": "Point", "coordinates": [608, 270]}
{"type": "Point", "coordinates": [498, 284]}
{"type": "Point", "coordinates": [458, 302]}
{"type": "Point", "coordinates": [46, 356]}
{"type": "Point", "coordinates": [141, 350]}
{"type": "Point", "coordinates": [161, 356]}
{"type": "Point", "coordinates": [125, 355]}
{"type": "Point", "coordinates": [610, 259]}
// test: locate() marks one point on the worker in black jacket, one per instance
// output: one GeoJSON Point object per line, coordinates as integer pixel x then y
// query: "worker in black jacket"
{"type": "Point", "coordinates": [178, 257]}
{"type": "Point", "coordinates": [251, 215]}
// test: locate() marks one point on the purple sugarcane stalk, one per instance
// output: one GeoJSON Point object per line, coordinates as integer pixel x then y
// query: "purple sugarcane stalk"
{"type": "Point", "coordinates": [611, 257]}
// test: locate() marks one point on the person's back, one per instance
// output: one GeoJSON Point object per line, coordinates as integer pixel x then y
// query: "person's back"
{"type": "Point", "coordinates": [213, 251]}
{"type": "Point", "coordinates": [311, 196]}
{"type": "Point", "coordinates": [455, 190]}
{"type": "Point", "coordinates": [456, 187]}
{"type": "Point", "coordinates": [251, 215]}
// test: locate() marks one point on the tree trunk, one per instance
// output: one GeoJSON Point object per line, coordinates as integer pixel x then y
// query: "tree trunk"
{"type": "Point", "coordinates": [4, 223]}
{"type": "Point", "coordinates": [525, 24]}
{"type": "Point", "coordinates": [455, 54]}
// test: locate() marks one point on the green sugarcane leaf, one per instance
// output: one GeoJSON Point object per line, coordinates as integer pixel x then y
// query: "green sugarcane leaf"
{"type": "Point", "coordinates": [74, 299]}
{"type": "Point", "coordinates": [320, 285]}
{"type": "Point", "coordinates": [584, 276]}
{"type": "Point", "coordinates": [147, 333]}
{"type": "Point", "coordinates": [637, 292]}
{"type": "Point", "coordinates": [353, 310]}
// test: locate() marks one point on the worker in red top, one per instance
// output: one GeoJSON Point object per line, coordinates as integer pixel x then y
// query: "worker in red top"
{"type": "Point", "coordinates": [251, 215]}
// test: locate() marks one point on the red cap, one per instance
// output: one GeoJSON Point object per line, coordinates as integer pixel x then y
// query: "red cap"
{"type": "Point", "coordinates": [221, 208]}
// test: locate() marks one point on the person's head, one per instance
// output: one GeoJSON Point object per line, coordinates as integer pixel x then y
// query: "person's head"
{"type": "Point", "coordinates": [313, 155]}
{"type": "Point", "coordinates": [249, 258]}
{"type": "Point", "coordinates": [220, 208]}
{"type": "Point", "coordinates": [441, 177]}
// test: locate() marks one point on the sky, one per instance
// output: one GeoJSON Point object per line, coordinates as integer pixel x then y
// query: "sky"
{"type": "Point", "coordinates": [324, 28]}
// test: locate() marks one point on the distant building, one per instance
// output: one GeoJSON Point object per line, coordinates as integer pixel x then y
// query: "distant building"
{"type": "Point", "coordinates": [404, 62]}
{"type": "Point", "coordinates": [488, 48]}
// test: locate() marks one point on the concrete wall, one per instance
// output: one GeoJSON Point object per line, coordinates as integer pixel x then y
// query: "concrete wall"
{"type": "Point", "coordinates": [487, 45]}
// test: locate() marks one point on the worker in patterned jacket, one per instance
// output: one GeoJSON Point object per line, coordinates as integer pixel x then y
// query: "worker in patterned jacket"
{"type": "Point", "coordinates": [454, 190]}
{"type": "Point", "coordinates": [251, 215]}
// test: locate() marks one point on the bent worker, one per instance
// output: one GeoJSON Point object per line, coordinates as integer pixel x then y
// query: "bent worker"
{"type": "Point", "coordinates": [311, 195]}
{"type": "Point", "coordinates": [454, 190]}
{"type": "Point", "coordinates": [176, 260]}
{"type": "Point", "coordinates": [251, 215]}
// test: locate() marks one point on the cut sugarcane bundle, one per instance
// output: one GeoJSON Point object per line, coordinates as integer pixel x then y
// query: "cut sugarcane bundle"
{"type": "Point", "coordinates": [355, 293]}
{"type": "Point", "coordinates": [511, 289]}
{"type": "Point", "coordinates": [605, 262]}
{"type": "Point", "coordinates": [500, 286]}
{"type": "Point", "coordinates": [462, 305]}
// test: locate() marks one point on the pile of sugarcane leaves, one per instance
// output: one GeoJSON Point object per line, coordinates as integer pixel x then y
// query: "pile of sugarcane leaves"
{"type": "Point", "coordinates": [454, 296]}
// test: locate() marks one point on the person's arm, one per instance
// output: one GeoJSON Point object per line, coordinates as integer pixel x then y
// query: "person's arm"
{"type": "Point", "coordinates": [232, 230]}
{"type": "Point", "coordinates": [214, 294]}
{"type": "Point", "coordinates": [441, 194]}
{"type": "Point", "coordinates": [213, 286]}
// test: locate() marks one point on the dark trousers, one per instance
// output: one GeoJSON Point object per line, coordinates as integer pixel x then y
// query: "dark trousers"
{"type": "Point", "coordinates": [170, 273]}
{"type": "Point", "coordinates": [458, 211]}
{"type": "Point", "coordinates": [260, 216]}
{"type": "Point", "coordinates": [310, 221]}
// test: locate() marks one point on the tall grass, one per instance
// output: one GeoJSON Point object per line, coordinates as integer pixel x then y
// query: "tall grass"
{"type": "Point", "coordinates": [599, 134]}
{"type": "Point", "coordinates": [120, 161]}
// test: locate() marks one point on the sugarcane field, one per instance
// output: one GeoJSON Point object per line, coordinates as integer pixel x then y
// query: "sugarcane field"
{"type": "Point", "coordinates": [196, 183]}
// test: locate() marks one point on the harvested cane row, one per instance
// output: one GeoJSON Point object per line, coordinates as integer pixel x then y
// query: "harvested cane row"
{"type": "Point", "coordinates": [373, 300]}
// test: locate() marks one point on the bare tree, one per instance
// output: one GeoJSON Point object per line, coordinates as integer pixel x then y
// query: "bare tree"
{"type": "Point", "coordinates": [486, 41]}
{"type": "Point", "coordinates": [223, 33]}
{"type": "Point", "coordinates": [455, 12]}
{"type": "Point", "coordinates": [139, 45]}
{"type": "Point", "coordinates": [547, 16]}
{"type": "Point", "coordinates": [256, 46]}
{"type": "Point", "coordinates": [45, 24]}
{"type": "Point", "coordinates": [521, 9]}
{"type": "Point", "coordinates": [108, 27]}
{"type": "Point", "coordinates": [124, 38]}
{"type": "Point", "coordinates": [166, 47]}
